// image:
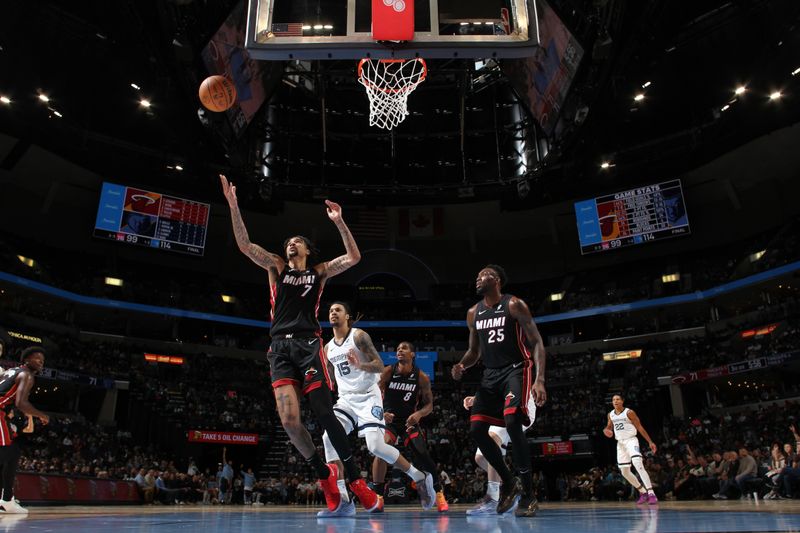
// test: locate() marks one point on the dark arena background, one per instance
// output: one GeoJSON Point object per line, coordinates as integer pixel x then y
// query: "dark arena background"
{"type": "Point", "coordinates": [633, 165]}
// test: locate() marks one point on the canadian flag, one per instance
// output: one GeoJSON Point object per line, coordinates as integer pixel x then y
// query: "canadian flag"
{"type": "Point", "coordinates": [421, 222]}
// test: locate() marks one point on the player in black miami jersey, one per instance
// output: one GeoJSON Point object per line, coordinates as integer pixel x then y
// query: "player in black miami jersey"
{"type": "Point", "coordinates": [15, 412]}
{"type": "Point", "coordinates": [407, 399]}
{"type": "Point", "coordinates": [295, 356]}
{"type": "Point", "coordinates": [502, 332]}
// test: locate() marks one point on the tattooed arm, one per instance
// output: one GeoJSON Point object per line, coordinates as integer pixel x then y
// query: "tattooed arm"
{"type": "Point", "coordinates": [373, 363]}
{"type": "Point", "coordinates": [273, 263]}
{"type": "Point", "coordinates": [352, 256]}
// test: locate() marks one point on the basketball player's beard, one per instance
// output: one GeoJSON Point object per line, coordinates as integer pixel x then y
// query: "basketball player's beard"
{"type": "Point", "coordinates": [480, 291]}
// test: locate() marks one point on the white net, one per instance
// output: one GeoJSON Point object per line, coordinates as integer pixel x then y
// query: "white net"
{"type": "Point", "coordinates": [388, 83]}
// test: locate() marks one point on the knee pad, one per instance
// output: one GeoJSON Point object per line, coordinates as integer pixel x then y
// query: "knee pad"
{"type": "Point", "coordinates": [378, 448]}
{"type": "Point", "coordinates": [320, 401]}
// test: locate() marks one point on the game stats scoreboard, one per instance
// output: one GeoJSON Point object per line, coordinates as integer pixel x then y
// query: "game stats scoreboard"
{"type": "Point", "coordinates": [640, 215]}
{"type": "Point", "coordinates": [146, 218]}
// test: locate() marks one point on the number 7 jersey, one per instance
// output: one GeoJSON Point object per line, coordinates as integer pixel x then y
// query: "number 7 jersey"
{"type": "Point", "coordinates": [295, 303]}
{"type": "Point", "coordinates": [501, 337]}
{"type": "Point", "coordinates": [349, 380]}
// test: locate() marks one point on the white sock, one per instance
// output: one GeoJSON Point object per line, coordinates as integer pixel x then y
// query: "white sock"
{"type": "Point", "coordinates": [343, 490]}
{"type": "Point", "coordinates": [415, 474]}
{"type": "Point", "coordinates": [493, 490]}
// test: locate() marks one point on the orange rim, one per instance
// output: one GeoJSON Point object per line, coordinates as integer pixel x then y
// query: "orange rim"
{"type": "Point", "coordinates": [393, 91]}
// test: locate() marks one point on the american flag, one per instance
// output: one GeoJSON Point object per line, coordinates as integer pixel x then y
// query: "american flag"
{"type": "Point", "coordinates": [288, 29]}
{"type": "Point", "coordinates": [367, 223]}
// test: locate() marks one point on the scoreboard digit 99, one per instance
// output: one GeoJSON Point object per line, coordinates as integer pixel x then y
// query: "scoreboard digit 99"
{"type": "Point", "coordinates": [150, 219]}
{"type": "Point", "coordinates": [636, 216]}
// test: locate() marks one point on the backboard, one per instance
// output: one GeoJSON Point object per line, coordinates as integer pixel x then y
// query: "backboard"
{"type": "Point", "coordinates": [342, 29]}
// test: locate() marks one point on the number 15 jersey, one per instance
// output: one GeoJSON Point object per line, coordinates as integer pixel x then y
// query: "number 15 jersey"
{"type": "Point", "coordinates": [501, 337]}
{"type": "Point", "coordinates": [349, 380]}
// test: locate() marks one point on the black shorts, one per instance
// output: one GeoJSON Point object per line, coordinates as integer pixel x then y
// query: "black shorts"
{"type": "Point", "coordinates": [298, 361]}
{"type": "Point", "coordinates": [503, 391]}
{"type": "Point", "coordinates": [398, 431]}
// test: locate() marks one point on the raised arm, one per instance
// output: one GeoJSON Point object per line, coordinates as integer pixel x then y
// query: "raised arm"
{"type": "Point", "coordinates": [372, 361]}
{"type": "Point", "coordinates": [533, 340]}
{"type": "Point", "coordinates": [634, 418]}
{"type": "Point", "coordinates": [270, 262]}
{"type": "Point", "coordinates": [424, 401]}
{"type": "Point", "coordinates": [352, 256]}
{"type": "Point", "coordinates": [473, 352]}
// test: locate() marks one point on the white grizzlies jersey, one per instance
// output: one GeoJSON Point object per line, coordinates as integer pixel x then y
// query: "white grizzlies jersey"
{"type": "Point", "coordinates": [349, 379]}
{"type": "Point", "coordinates": [623, 427]}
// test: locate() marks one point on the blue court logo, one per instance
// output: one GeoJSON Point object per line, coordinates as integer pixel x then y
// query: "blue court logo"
{"type": "Point", "coordinates": [377, 412]}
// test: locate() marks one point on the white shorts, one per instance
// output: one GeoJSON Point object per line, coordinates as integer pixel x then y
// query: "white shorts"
{"type": "Point", "coordinates": [361, 411]}
{"type": "Point", "coordinates": [502, 432]}
{"type": "Point", "coordinates": [627, 449]}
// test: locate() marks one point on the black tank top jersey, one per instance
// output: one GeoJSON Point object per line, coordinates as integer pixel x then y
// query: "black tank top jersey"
{"type": "Point", "coordinates": [8, 386]}
{"type": "Point", "coordinates": [401, 393]}
{"type": "Point", "coordinates": [295, 302]}
{"type": "Point", "coordinates": [501, 337]}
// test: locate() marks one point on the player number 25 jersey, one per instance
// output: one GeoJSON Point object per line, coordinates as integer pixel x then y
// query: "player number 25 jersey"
{"type": "Point", "coordinates": [501, 337]}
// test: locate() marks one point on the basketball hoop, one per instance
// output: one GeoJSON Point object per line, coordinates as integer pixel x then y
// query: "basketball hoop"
{"type": "Point", "coordinates": [388, 83]}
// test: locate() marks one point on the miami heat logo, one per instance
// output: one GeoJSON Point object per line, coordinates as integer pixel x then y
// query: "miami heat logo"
{"type": "Point", "coordinates": [510, 396]}
{"type": "Point", "coordinates": [310, 373]}
{"type": "Point", "coordinates": [397, 5]}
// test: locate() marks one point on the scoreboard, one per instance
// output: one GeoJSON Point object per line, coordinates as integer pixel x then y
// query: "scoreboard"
{"type": "Point", "coordinates": [151, 219]}
{"type": "Point", "coordinates": [640, 215]}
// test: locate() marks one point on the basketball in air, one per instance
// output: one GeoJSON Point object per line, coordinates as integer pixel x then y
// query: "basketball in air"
{"type": "Point", "coordinates": [217, 93]}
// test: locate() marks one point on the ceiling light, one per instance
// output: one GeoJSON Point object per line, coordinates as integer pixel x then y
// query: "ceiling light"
{"type": "Point", "coordinates": [606, 164]}
{"type": "Point", "coordinates": [639, 97]}
{"type": "Point", "coordinates": [27, 261]}
{"type": "Point", "coordinates": [725, 107]}
{"type": "Point", "coordinates": [5, 99]}
{"type": "Point", "coordinates": [556, 296]}
{"type": "Point", "coordinates": [318, 26]}
{"type": "Point", "coordinates": [669, 278]}
{"type": "Point", "coordinates": [775, 95]}
{"type": "Point", "coordinates": [144, 103]}
{"type": "Point", "coordinates": [228, 299]}
{"type": "Point", "coordinates": [114, 282]}
{"type": "Point", "coordinates": [796, 71]}
{"type": "Point", "coordinates": [464, 23]}
{"type": "Point", "coordinates": [647, 84]}
{"type": "Point", "coordinates": [328, 26]}
{"type": "Point", "coordinates": [740, 89]}
{"type": "Point", "coordinates": [136, 87]}
{"type": "Point", "coordinates": [44, 98]}
{"type": "Point", "coordinates": [56, 113]}
{"type": "Point", "coordinates": [757, 255]}
{"type": "Point", "coordinates": [488, 23]}
{"type": "Point", "coordinates": [306, 26]}
{"type": "Point", "coordinates": [178, 168]}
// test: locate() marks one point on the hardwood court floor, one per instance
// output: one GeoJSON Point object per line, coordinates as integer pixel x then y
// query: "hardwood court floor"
{"type": "Point", "coordinates": [668, 517]}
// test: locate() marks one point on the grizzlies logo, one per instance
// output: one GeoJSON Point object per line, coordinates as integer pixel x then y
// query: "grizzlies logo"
{"type": "Point", "coordinates": [377, 412]}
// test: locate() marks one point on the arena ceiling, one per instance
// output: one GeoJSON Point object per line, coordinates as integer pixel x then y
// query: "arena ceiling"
{"type": "Point", "coordinates": [687, 58]}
